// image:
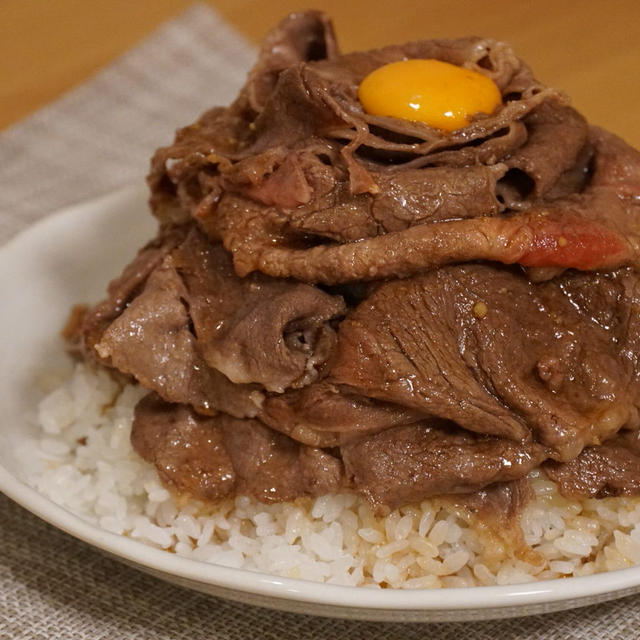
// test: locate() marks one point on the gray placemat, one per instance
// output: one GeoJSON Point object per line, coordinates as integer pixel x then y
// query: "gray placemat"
{"type": "Point", "coordinates": [96, 138]}
{"type": "Point", "coordinates": [101, 135]}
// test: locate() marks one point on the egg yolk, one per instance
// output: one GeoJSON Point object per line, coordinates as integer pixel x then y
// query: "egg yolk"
{"type": "Point", "coordinates": [437, 93]}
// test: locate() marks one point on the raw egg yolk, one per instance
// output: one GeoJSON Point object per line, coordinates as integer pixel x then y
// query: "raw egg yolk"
{"type": "Point", "coordinates": [437, 93]}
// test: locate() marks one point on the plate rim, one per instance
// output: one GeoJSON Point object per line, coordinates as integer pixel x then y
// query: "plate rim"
{"type": "Point", "coordinates": [554, 593]}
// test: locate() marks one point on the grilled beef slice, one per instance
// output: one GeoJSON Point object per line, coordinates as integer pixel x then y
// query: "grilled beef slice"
{"type": "Point", "coordinates": [498, 355]}
{"type": "Point", "coordinates": [213, 457]}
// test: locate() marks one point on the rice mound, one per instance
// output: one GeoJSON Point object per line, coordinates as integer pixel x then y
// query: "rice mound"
{"type": "Point", "coordinates": [89, 467]}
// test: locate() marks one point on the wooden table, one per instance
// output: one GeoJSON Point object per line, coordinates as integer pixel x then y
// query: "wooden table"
{"type": "Point", "coordinates": [589, 48]}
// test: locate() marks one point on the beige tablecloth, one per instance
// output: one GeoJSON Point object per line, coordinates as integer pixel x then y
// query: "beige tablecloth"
{"type": "Point", "coordinates": [93, 140]}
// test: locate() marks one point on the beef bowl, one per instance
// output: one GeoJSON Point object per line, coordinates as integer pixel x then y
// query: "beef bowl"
{"type": "Point", "coordinates": [360, 362]}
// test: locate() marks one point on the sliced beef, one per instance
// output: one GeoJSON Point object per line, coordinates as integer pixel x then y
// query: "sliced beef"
{"type": "Point", "coordinates": [490, 151]}
{"type": "Point", "coordinates": [611, 469]}
{"type": "Point", "coordinates": [123, 289]}
{"type": "Point", "coordinates": [274, 468]}
{"type": "Point", "coordinates": [301, 300]}
{"type": "Point", "coordinates": [331, 194]}
{"type": "Point", "coordinates": [398, 197]}
{"type": "Point", "coordinates": [598, 228]}
{"type": "Point", "coordinates": [183, 177]}
{"type": "Point", "coordinates": [186, 448]}
{"type": "Point", "coordinates": [405, 199]}
{"type": "Point", "coordinates": [498, 355]}
{"type": "Point", "coordinates": [616, 166]}
{"type": "Point", "coordinates": [257, 329]}
{"type": "Point", "coordinates": [409, 463]}
{"type": "Point", "coordinates": [536, 167]}
{"type": "Point", "coordinates": [196, 333]}
{"type": "Point", "coordinates": [152, 341]}
{"type": "Point", "coordinates": [324, 415]}
{"type": "Point", "coordinates": [276, 178]}
{"type": "Point", "coordinates": [214, 457]}
{"type": "Point", "coordinates": [302, 96]}
{"type": "Point", "coordinates": [72, 330]}
{"type": "Point", "coordinates": [319, 201]}
{"type": "Point", "coordinates": [300, 37]}
{"type": "Point", "coordinates": [544, 238]}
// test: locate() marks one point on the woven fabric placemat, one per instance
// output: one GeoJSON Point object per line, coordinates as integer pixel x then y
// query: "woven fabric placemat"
{"type": "Point", "coordinates": [97, 138]}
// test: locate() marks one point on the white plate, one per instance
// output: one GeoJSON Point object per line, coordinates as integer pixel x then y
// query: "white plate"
{"type": "Point", "coordinates": [69, 257]}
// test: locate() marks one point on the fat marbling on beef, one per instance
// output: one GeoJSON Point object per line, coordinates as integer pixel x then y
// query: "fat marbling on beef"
{"type": "Point", "coordinates": [338, 300]}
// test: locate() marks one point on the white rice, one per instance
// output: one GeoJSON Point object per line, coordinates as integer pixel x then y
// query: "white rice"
{"type": "Point", "coordinates": [89, 467]}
